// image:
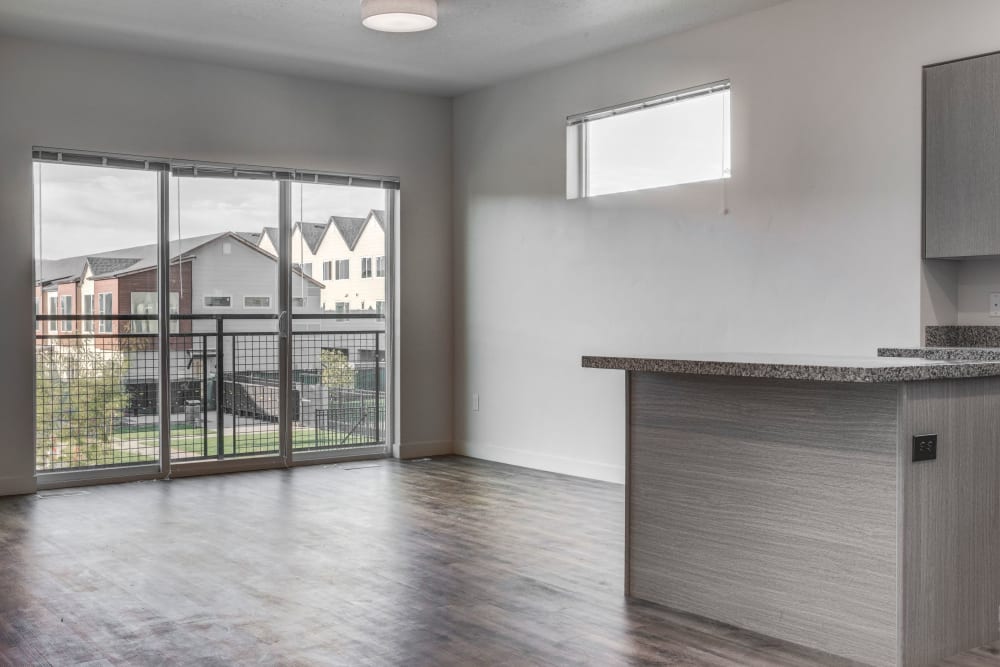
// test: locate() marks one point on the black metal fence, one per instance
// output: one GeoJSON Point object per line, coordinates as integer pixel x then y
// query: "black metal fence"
{"type": "Point", "coordinates": [97, 393]}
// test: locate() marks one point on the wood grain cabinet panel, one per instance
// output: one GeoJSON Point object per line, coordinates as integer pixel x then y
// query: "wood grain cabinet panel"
{"type": "Point", "coordinates": [962, 158]}
{"type": "Point", "coordinates": [794, 509]}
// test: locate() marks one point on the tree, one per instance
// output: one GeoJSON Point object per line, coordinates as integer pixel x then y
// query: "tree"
{"type": "Point", "coordinates": [337, 371]}
{"type": "Point", "coordinates": [80, 396]}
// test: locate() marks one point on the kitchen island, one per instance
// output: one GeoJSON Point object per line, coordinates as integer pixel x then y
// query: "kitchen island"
{"type": "Point", "coordinates": [780, 494]}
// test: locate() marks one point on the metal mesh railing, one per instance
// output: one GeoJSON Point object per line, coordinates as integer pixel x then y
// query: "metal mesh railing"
{"type": "Point", "coordinates": [97, 395]}
{"type": "Point", "coordinates": [91, 408]}
{"type": "Point", "coordinates": [340, 381]}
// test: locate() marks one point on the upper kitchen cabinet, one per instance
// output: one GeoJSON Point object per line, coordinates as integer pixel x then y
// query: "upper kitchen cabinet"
{"type": "Point", "coordinates": [962, 158]}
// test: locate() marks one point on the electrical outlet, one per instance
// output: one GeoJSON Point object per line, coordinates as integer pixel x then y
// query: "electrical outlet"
{"type": "Point", "coordinates": [925, 447]}
{"type": "Point", "coordinates": [475, 402]}
{"type": "Point", "coordinates": [995, 304]}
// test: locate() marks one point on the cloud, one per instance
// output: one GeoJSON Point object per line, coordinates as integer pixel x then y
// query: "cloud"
{"type": "Point", "coordinates": [81, 210]}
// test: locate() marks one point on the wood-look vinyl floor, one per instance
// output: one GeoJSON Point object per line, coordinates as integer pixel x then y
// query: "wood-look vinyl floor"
{"type": "Point", "coordinates": [449, 561]}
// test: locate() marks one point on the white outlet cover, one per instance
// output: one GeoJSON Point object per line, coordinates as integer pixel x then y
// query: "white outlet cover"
{"type": "Point", "coordinates": [995, 304]}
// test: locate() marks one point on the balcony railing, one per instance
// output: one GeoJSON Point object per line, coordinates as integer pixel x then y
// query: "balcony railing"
{"type": "Point", "coordinates": [96, 394]}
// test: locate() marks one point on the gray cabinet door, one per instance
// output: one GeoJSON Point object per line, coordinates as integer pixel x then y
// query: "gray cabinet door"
{"type": "Point", "coordinates": [962, 158]}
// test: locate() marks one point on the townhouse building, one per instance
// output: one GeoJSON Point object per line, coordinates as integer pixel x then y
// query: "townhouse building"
{"type": "Point", "coordinates": [345, 254]}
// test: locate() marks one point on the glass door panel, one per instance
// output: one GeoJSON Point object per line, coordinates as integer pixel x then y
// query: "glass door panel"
{"type": "Point", "coordinates": [339, 244]}
{"type": "Point", "coordinates": [97, 370]}
{"type": "Point", "coordinates": [225, 381]}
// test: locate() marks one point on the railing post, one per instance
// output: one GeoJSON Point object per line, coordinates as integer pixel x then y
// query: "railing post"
{"type": "Point", "coordinates": [378, 384]}
{"type": "Point", "coordinates": [220, 393]}
{"type": "Point", "coordinates": [204, 395]}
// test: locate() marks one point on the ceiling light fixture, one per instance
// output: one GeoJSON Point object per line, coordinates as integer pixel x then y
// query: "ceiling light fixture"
{"type": "Point", "coordinates": [399, 15]}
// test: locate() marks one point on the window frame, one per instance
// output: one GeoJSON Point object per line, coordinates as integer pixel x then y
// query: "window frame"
{"type": "Point", "coordinates": [64, 309]}
{"type": "Point", "coordinates": [87, 308]}
{"type": "Point", "coordinates": [266, 306]}
{"type": "Point", "coordinates": [380, 267]}
{"type": "Point", "coordinates": [105, 326]}
{"type": "Point", "coordinates": [327, 270]}
{"type": "Point", "coordinates": [578, 167]}
{"type": "Point", "coordinates": [206, 297]}
{"type": "Point", "coordinates": [53, 309]}
{"type": "Point", "coordinates": [346, 264]}
{"type": "Point", "coordinates": [366, 267]}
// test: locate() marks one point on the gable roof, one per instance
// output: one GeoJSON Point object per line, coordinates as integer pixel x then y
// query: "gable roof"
{"type": "Point", "coordinates": [102, 265]}
{"type": "Point", "coordinates": [350, 228]}
{"type": "Point", "coordinates": [312, 233]}
{"type": "Point", "coordinates": [379, 216]}
{"type": "Point", "coordinates": [250, 237]}
{"type": "Point", "coordinates": [271, 234]}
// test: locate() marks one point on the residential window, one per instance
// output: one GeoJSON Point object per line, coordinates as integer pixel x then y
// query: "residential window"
{"type": "Point", "coordinates": [147, 303]}
{"type": "Point", "coordinates": [66, 308]}
{"type": "Point", "coordinates": [380, 307]}
{"type": "Point", "coordinates": [380, 267]}
{"type": "Point", "coordinates": [343, 306]}
{"type": "Point", "coordinates": [307, 269]}
{"type": "Point", "coordinates": [343, 269]}
{"type": "Point", "coordinates": [298, 301]}
{"type": "Point", "coordinates": [327, 270]}
{"type": "Point", "coordinates": [366, 267]}
{"type": "Point", "coordinates": [218, 301]}
{"type": "Point", "coordinates": [88, 309]}
{"type": "Point", "coordinates": [256, 302]}
{"type": "Point", "coordinates": [105, 307]}
{"type": "Point", "coordinates": [53, 307]}
{"type": "Point", "coordinates": [680, 137]}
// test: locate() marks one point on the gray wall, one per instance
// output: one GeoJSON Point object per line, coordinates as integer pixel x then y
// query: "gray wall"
{"type": "Point", "coordinates": [101, 100]}
{"type": "Point", "coordinates": [820, 253]}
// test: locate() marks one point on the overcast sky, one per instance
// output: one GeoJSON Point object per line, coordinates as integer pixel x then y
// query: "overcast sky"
{"type": "Point", "coordinates": [80, 210]}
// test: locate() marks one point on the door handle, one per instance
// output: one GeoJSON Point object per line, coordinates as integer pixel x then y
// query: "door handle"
{"type": "Point", "coordinates": [283, 324]}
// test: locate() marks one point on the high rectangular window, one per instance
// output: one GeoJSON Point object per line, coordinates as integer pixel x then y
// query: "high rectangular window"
{"type": "Point", "coordinates": [680, 137]}
{"type": "Point", "coordinates": [256, 302]}
{"type": "Point", "coordinates": [218, 301]}
{"type": "Point", "coordinates": [366, 267]}
{"type": "Point", "coordinates": [343, 269]}
{"type": "Point", "coordinates": [380, 267]}
{"type": "Point", "coordinates": [327, 270]}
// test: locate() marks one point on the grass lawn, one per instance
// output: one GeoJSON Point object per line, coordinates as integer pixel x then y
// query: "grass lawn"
{"type": "Point", "coordinates": [140, 444]}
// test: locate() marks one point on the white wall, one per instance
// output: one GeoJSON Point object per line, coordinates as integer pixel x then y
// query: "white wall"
{"type": "Point", "coordinates": [821, 251]}
{"type": "Point", "coordinates": [101, 100]}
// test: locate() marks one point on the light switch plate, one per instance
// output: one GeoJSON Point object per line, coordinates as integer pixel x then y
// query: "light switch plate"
{"type": "Point", "coordinates": [995, 304]}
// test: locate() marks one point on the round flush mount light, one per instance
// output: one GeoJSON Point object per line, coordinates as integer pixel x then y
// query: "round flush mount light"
{"type": "Point", "coordinates": [399, 15]}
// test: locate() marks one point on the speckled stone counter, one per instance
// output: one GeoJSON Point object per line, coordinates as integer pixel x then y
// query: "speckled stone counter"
{"type": "Point", "coordinates": [943, 353]}
{"type": "Point", "coordinates": [887, 368]}
{"type": "Point", "coordinates": [962, 336]}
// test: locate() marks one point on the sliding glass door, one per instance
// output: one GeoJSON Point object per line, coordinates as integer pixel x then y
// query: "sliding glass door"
{"type": "Point", "coordinates": [96, 370]}
{"type": "Point", "coordinates": [225, 361]}
{"type": "Point", "coordinates": [338, 333]}
{"type": "Point", "coordinates": [246, 326]}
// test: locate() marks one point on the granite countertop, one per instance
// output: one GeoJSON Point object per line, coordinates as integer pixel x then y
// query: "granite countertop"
{"type": "Point", "coordinates": [888, 368]}
{"type": "Point", "coordinates": [943, 353]}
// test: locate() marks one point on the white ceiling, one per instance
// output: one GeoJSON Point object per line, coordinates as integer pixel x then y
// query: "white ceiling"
{"type": "Point", "coordinates": [477, 42]}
